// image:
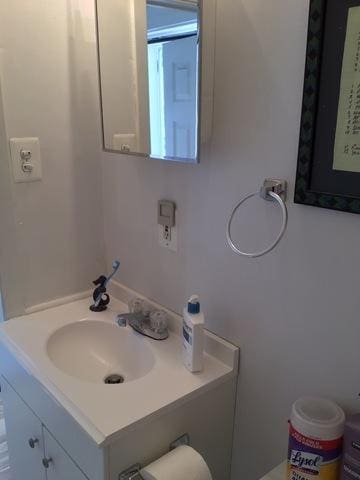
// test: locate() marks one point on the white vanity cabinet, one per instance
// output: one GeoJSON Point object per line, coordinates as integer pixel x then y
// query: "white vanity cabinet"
{"type": "Point", "coordinates": [90, 430]}
{"type": "Point", "coordinates": [24, 437]}
{"type": "Point", "coordinates": [32, 414]}
{"type": "Point", "coordinates": [57, 462]}
{"type": "Point", "coordinates": [34, 453]}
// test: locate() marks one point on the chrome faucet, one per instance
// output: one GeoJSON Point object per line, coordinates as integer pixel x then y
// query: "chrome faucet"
{"type": "Point", "coordinates": [150, 323]}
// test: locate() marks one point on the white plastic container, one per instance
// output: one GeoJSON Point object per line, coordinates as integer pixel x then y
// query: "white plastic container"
{"type": "Point", "coordinates": [315, 440]}
{"type": "Point", "coordinates": [193, 335]}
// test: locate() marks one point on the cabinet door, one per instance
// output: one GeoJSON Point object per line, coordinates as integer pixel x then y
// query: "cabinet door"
{"type": "Point", "coordinates": [59, 466]}
{"type": "Point", "coordinates": [24, 437]}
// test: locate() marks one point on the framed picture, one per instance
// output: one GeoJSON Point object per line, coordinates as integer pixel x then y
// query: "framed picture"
{"type": "Point", "coordinates": [328, 171]}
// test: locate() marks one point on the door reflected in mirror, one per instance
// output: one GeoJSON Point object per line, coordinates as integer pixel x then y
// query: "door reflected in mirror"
{"type": "Point", "coordinates": [173, 80]}
{"type": "Point", "coordinates": [149, 67]}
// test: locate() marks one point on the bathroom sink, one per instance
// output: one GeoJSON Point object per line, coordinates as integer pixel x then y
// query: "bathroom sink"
{"type": "Point", "coordinates": [69, 351]}
{"type": "Point", "coordinates": [99, 352]}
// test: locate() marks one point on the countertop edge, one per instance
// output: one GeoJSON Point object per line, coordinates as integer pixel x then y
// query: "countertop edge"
{"type": "Point", "coordinates": [279, 473]}
{"type": "Point", "coordinates": [98, 437]}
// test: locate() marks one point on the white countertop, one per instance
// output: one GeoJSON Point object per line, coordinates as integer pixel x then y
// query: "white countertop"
{"type": "Point", "coordinates": [279, 473]}
{"type": "Point", "coordinates": [106, 416]}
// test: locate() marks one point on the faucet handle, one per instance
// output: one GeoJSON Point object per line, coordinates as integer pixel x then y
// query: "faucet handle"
{"type": "Point", "coordinates": [158, 321]}
{"type": "Point", "coordinates": [139, 305]}
{"type": "Point", "coordinates": [135, 305]}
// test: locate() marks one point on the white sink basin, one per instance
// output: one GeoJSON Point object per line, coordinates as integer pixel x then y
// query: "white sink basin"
{"type": "Point", "coordinates": [93, 350]}
{"type": "Point", "coordinates": [70, 350]}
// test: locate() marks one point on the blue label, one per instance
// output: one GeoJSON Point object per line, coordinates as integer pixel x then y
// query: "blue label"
{"type": "Point", "coordinates": [187, 337]}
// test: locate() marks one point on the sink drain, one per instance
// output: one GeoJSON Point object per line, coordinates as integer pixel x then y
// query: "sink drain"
{"type": "Point", "coordinates": [114, 379]}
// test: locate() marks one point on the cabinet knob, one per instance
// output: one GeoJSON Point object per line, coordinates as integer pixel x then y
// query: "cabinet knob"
{"type": "Point", "coordinates": [33, 442]}
{"type": "Point", "coordinates": [46, 462]}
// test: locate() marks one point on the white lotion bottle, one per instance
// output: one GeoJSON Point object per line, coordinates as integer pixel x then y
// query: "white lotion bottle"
{"type": "Point", "coordinates": [193, 335]}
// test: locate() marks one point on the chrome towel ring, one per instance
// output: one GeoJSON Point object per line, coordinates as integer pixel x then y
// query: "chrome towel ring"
{"type": "Point", "coordinates": [272, 190]}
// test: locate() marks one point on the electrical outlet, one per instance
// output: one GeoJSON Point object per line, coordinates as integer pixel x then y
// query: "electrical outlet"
{"type": "Point", "coordinates": [168, 237]}
{"type": "Point", "coordinates": [167, 233]}
{"type": "Point", "coordinates": [26, 159]}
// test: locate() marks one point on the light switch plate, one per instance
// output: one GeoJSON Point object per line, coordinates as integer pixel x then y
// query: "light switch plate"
{"type": "Point", "coordinates": [166, 213]}
{"type": "Point", "coordinates": [30, 146]}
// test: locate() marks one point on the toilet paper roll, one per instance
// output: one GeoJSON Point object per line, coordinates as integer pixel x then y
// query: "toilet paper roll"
{"type": "Point", "coordinates": [183, 463]}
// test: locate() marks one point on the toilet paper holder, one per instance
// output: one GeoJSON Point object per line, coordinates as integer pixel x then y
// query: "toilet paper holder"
{"type": "Point", "coordinates": [133, 473]}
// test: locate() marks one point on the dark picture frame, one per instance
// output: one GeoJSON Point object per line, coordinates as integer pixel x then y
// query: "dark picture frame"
{"type": "Point", "coordinates": [317, 182]}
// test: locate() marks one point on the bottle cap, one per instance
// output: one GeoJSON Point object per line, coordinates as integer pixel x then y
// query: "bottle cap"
{"type": "Point", "coordinates": [318, 418]}
{"type": "Point", "coordinates": [194, 305]}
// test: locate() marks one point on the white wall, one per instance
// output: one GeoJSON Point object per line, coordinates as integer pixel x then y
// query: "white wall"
{"type": "Point", "coordinates": [295, 312]}
{"type": "Point", "coordinates": [49, 86]}
{"type": "Point", "coordinates": [10, 259]}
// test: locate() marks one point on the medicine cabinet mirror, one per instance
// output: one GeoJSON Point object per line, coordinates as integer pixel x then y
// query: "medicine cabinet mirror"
{"type": "Point", "coordinates": [155, 76]}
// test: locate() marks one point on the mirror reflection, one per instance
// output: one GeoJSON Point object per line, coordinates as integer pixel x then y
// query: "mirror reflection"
{"type": "Point", "coordinates": [149, 61]}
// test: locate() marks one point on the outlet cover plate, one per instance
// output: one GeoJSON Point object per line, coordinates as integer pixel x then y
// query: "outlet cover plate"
{"type": "Point", "coordinates": [164, 242]}
{"type": "Point", "coordinates": [31, 144]}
